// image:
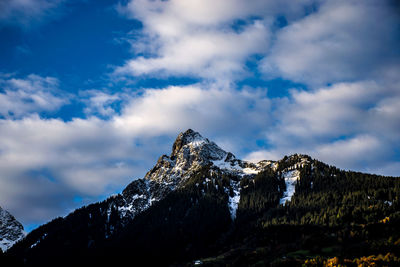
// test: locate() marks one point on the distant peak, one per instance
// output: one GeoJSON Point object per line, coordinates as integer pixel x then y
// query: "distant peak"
{"type": "Point", "coordinates": [297, 157]}
{"type": "Point", "coordinates": [10, 230]}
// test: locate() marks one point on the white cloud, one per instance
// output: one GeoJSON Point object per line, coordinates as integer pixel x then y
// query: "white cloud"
{"type": "Point", "coordinates": [205, 54]}
{"type": "Point", "coordinates": [26, 12]}
{"type": "Point", "coordinates": [259, 155]}
{"type": "Point", "coordinates": [201, 107]}
{"type": "Point", "coordinates": [328, 112]}
{"type": "Point", "coordinates": [202, 38]}
{"type": "Point", "coordinates": [385, 117]}
{"type": "Point", "coordinates": [101, 103]}
{"type": "Point", "coordinates": [33, 93]}
{"type": "Point", "coordinates": [357, 152]}
{"type": "Point", "coordinates": [342, 41]}
{"type": "Point", "coordinates": [176, 16]}
{"type": "Point", "coordinates": [54, 160]}
{"type": "Point", "coordinates": [207, 12]}
{"type": "Point", "coordinates": [337, 41]}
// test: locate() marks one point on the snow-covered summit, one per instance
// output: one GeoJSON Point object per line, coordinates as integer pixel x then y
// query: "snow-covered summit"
{"type": "Point", "coordinates": [189, 137]}
{"type": "Point", "coordinates": [10, 230]}
{"type": "Point", "coordinates": [192, 144]}
{"type": "Point", "coordinates": [191, 151]}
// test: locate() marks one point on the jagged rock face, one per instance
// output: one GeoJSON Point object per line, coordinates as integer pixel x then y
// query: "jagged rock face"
{"type": "Point", "coordinates": [189, 152]}
{"type": "Point", "coordinates": [192, 151]}
{"type": "Point", "coordinates": [190, 147]}
{"type": "Point", "coordinates": [10, 230]}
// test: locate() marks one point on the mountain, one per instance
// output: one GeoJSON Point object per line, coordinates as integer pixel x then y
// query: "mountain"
{"type": "Point", "coordinates": [202, 205]}
{"type": "Point", "coordinates": [10, 230]}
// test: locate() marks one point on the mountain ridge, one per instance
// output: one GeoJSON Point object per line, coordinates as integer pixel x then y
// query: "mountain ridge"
{"type": "Point", "coordinates": [196, 175]}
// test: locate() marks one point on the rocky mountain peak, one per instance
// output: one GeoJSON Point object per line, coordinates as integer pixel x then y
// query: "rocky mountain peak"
{"type": "Point", "coordinates": [191, 142]}
{"type": "Point", "coordinates": [192, 151]}
{"type": "Point", "coordinates": [10, 230]}
{"type": "Point", "coordinates": [186, 138]}
{"type": "Point", "coordinates": [189, 151]}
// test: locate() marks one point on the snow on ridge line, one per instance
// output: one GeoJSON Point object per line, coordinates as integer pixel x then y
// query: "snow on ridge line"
{"type": "Point", "coordinates": [197, 142]}
{"type": "Point", "coordinates": [195, 139]}
{"type": "Point", "coordinates": [250, 171]}
{"type": "Point", "coordinates": [222, 164]}
{"type": "Point", "coordinates": [226, 165]}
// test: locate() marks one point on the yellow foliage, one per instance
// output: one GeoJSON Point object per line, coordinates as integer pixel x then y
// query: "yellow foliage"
{"type": "Point", "coordinates": [377, 260]}
{"type": "Point", "coordinates": [380, 260]}
{"type": "Point", "coordinates": [385, 220]}
{"type": "Point", "coordinates": [311, 262]}
{"type": "Point", "coordinates": [333, 262]}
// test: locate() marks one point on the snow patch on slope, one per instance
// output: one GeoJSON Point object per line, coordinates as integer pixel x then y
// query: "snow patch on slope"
{"type": "Point", "coordinates": [250, 171]}
{"type": "Point", "coordinates": [233, 201]}
{"type": "Point", "coordinates": [291, 178]}
{"type": "Point", "coordinates": [6, 244]}
{"type": "Point", "coordinates": [235, 168]}
{"type": "Point", "coordinates": [197, 141]}
{"type": "Point", "coordinates": [226, 165]}
{"type": "Point", "coordinates": [38, 241]}
{"type": "Point", "coordinates": [132, 206]}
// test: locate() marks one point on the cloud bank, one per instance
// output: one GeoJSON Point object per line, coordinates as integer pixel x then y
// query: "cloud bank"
{"type": "Point", "coordinates": [342, 41]}
{"type": "Point", "coordinates": [20, 97]}
{"type": "Point", "coordinates": [204, 39]}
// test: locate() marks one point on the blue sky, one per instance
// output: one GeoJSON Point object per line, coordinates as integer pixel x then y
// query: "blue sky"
{"type": "Point", "coordinates": [93, 92]}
